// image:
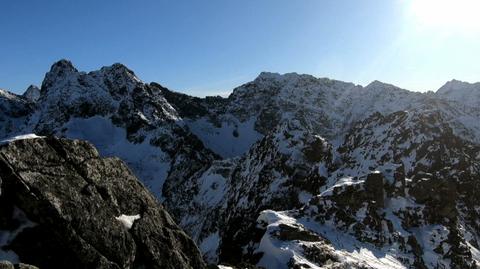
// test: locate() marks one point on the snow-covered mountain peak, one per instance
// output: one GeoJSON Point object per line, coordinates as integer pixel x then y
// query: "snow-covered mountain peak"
{"type": "Point", "coordinates": [458, 86]}
{"type": "Point", "coordinates": [117, 78]}
{"type": "Point", "coordinates": [454, 85]}
{"type": "Point", "coordinates": [59, 71]}
{"type": "Point", "coordinates": [112, 91]}
{"type": "Point", "coordinates": [460, 91]}
{"type": "Point", "coordinates": [282, 86]}
{"type": "Point", "coordinates": [63, 79]}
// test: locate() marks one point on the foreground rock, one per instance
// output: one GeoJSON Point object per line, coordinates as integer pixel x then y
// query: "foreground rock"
{"type": "Point", "coordinates": [62, 206]}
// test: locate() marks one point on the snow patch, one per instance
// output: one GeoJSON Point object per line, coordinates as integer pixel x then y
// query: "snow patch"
{"type": "Point", "coordinates": [233, 138]}
{"type": "Point", "coordinates": [19, 137]}
{"type": "Point", "coordinates": [127, 221]}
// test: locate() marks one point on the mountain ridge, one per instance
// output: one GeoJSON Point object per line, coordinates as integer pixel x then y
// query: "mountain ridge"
{"type": "Point", "coordinates": [65, 63]}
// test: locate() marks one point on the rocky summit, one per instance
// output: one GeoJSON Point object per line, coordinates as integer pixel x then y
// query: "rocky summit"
{"type": "Point", "coordinates": [289, 171]}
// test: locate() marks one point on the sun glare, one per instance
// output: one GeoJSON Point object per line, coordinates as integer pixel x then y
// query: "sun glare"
{"type": "Point", "coordinates": [448, 15]}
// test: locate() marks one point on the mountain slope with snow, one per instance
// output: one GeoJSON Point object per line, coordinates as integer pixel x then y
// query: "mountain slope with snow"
{"type": "Point", "coordinates": [290, 170]}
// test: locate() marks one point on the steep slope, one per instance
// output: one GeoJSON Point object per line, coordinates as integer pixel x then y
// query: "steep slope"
{"type": "Point", "coordinates": [64, 206]}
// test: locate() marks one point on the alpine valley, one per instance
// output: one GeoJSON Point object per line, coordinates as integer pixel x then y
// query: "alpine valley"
{"type": "Point", "coordinates": [289, 171]}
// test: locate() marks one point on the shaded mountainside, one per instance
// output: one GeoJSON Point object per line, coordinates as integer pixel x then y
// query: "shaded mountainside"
{"type": "Point", "coordinates": [289, 171]}
{"type": "Point", "coordinates": [65, 207]}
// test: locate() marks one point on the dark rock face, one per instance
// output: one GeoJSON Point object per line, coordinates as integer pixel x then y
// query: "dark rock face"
{"type": "Point", "coordinates": [76, 201]}
{"type": "Point", "coordinates": [374, 187]}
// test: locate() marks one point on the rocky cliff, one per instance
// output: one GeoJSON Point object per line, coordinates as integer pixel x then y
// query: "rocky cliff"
{"type": "Point", "coordinates": [63, 206]}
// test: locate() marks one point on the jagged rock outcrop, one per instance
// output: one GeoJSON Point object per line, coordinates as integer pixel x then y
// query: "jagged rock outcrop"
{"type": "Point", "coordinates": [66, 207]}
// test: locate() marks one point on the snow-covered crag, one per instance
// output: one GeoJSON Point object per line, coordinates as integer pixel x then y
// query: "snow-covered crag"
{"type": "Point", "coordinates": [289, 171]}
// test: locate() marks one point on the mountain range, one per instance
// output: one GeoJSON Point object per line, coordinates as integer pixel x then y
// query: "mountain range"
{"type": "Point", "coordinates": [288, 171]}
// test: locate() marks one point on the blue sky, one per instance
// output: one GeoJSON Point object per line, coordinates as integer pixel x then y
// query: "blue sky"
{"type": "Point", "coordinates": [210, 47]}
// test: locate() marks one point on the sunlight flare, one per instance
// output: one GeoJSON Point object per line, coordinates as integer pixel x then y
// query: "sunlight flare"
{"type": "Point", "coordinates": [447, 15]}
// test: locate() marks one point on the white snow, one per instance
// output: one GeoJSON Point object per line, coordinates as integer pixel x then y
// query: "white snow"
{"type": "Point", "coordinates": [19, 137]}
{"type": "Point", "coordinates": [127, 221]}
{"type": "Point", "coordinates": [278, 253]}
{"type": "Point", "coordinates": [222, 140]}
{"type": "Point", "coordinates": [467, 94]}
{"type": "Point", "coordinates": [212, 188]}
{"type": "Point", "coordinates": [340, 184]}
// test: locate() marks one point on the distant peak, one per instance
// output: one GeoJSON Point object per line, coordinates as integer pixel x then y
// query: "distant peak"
{"type": "Point", "coordinates": [457, 85]}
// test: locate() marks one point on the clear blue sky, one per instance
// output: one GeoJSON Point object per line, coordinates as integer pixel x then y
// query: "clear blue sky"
{"type": "Point", "coordinates": [209, 47]}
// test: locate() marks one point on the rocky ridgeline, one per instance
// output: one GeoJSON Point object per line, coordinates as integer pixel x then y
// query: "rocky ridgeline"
{"type": "Point", "coordinates": [289, 171]}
